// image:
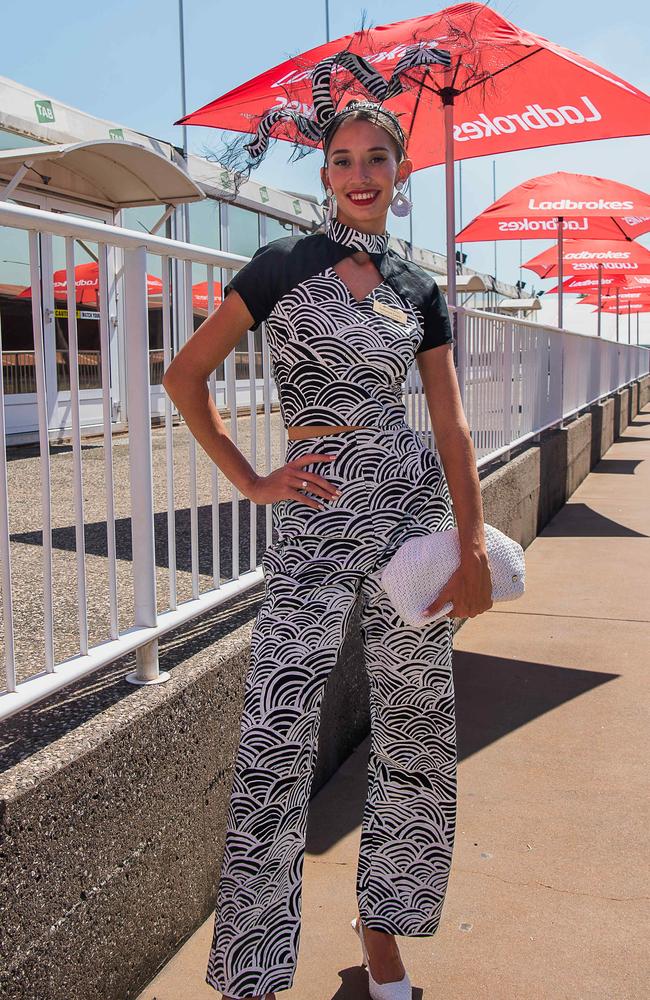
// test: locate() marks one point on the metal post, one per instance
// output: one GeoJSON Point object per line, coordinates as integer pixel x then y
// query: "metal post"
{"type": "Point", "coordinates": [617, 314]}
{"type": "Point", "coordinates": [140, 464]}
{"type": "Point", "coordinates": [461, 353]}
{"type": "Point", "coordinates": [181, 33]}
{"type": "Point", "coordinates": [448, 103]}
{"type": "Point", "coordinates": [600, 294]}
{"type": "Point", "coordinates": [460, 204]}
{"type": "Point", "coordinates": [494, 198]}
{"type": "Point", "coordinates": [560, 271]}
{"type": "Point", "coordinates": [185, 209]}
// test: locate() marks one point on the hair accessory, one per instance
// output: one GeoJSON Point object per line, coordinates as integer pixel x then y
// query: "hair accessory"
{"type": "Point", "coordinates": [423, 565]}
{"type": "Point", "coordinates": [244, 154]}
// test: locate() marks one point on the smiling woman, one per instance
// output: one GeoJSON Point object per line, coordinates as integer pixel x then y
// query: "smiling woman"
{"type": "Point", "coordinates": [345, 319]}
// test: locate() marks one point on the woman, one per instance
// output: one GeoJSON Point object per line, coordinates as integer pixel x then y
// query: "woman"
{"type": "Point", "coordinates": [345, 318]}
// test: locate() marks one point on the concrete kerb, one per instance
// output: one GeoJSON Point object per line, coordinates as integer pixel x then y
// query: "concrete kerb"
{"type": "Point", "coordinates": [113, 834]}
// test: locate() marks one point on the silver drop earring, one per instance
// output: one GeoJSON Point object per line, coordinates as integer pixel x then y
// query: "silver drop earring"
{"type": "Point", "coordinates": [330, 210]}
{"type": "Point", "coordinates": [400, 205]}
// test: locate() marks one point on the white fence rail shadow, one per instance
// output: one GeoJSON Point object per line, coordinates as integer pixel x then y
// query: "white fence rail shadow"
{"type": "Point", "coordinates": [516, 379]}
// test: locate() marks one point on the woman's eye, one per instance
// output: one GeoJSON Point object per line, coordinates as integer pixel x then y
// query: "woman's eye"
{"type": "Point", "coordinates": [340, 163]}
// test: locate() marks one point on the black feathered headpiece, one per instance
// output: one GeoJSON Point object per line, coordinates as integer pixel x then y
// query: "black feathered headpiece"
{"type": "Point", "coordinates": [245, 154]}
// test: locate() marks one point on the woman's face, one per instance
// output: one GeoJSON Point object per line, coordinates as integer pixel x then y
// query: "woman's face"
{"type": "Point", "coordinates": [362, 161]}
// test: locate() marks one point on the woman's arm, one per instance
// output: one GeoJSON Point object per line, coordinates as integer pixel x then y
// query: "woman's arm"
{"type": "Point", "coordinates": [185, 382]}
{"type": "Point", "coordinates": [471, 585]}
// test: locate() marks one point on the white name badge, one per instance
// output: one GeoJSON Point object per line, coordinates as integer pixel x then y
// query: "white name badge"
{"type": "Point", "coordinates": [391, 311]}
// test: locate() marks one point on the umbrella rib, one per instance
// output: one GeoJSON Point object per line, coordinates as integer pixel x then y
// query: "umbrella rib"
{"type": "Point", "coordinates": [477, 83]}
{"type": "Point", "coordinates": [616, 223]}
{"type": "Point", "coordinates": [503, 69]}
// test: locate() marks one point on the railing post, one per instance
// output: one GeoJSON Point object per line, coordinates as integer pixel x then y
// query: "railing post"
{"type": "Point", "coordinates": [458, 319]}
{"type": "Point", "coordinates": [140, 464]}
{"type": "Point", "coordinates": [507, 384]}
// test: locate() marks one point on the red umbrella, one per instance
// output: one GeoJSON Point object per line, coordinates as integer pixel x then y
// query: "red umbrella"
{"type": "Point", "coordinates": [563, 204]}
{"type": "Point", "coordinates": [621, 295]}
{"type": "Point", "coordinates": [589, 207]}
{"type": "Point", "coordinates": [620, 308]}
{"type": "Point", "coordinates": [200, 294]}
{"type": "Point", "coordinates": [86, 283]}
{"type": "Point", "coordinates": [592, 258]}
{"type": "Point", "coordinates": [576, 285]}
{"type": "Point", "coordinates": [623, 307]}
{"type": "Point", "coordinates": [506, 89]}
{"type": "Point", "coordinates": [585, 257]}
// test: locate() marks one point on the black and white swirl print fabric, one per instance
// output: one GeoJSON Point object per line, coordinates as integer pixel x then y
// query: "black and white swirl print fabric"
{"type": "Point", "coordinates": [319, 565]}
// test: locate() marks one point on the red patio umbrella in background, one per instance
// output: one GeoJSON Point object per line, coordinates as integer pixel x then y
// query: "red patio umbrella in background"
{"type": "Point", "coordinates": [639, 307]}
{"type": "Point", "coordinates": [621, 308]}
{"type": "Point", "coordinates": [590, 208]}
{"type": "Point", "coordinates": [86, 283]}
{"type": "Point", "coordinates": [563, 204]}
{"type": "Point", "coordinates": [621, 294]}
{"type": "Point", "coordinates": [584, 257]}
{"type": "Point", "coordinates": [577, 285]}
{"type": "Point", "coordinates": [200, 294]}
{"type": "Point", "coordinates": [507, 89]}
{"type": "Point", "coordinates": [598, 259]}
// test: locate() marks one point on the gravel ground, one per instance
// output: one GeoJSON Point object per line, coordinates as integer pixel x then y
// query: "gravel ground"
{"type": "Point", "coordinates": [26, 534]}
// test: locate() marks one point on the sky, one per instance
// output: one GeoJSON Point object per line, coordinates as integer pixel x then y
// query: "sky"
{"type": "Point", "coordinates": [120, 61]}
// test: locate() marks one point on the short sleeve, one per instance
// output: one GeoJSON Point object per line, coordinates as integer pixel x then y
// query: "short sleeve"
{"type": "Point", "coordinates": [257, 284]}
{"type": "Point", "coordinates": [437, 328]}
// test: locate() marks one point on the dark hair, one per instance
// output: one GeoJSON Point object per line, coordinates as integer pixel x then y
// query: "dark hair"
{"type": "Point", "coordinates": [381, 117]}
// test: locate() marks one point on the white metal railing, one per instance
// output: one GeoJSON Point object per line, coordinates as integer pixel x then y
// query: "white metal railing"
{"type": "Point", "coordinates": [516, 378]}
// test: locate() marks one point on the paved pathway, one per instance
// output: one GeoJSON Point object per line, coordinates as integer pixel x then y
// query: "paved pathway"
{"type": "Point", "coordinates": [548, 897]}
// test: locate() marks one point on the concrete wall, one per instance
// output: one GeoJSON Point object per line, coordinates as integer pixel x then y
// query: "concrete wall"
{"type": "Point", "coordinates": [114, 802]}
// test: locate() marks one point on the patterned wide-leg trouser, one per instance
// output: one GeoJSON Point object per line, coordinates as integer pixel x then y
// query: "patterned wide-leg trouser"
{"type": "Point", "coordinates": [393, 487]}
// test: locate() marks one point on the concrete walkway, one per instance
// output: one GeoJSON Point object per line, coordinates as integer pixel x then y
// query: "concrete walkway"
{"type": "Point", "coordinates": [548, 895]}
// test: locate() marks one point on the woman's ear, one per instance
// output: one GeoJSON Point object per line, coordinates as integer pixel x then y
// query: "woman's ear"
{"type": "Point", "coordinates": [404, 170]}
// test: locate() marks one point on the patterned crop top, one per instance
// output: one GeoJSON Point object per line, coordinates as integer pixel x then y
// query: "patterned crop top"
{"type": "Point", "coordinates": [336, 359]}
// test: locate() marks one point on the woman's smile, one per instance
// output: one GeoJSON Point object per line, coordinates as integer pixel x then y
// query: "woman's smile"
{"type": "Point", "coordinates": [363, 197]}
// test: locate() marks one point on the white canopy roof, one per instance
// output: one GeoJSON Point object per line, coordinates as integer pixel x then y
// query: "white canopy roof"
{"type": "Point", "coordinates": [111, 172]}
{"type": "Point", "coordinates": [464, 283]}
{"type": "Point", "coordinates": [515, 305]}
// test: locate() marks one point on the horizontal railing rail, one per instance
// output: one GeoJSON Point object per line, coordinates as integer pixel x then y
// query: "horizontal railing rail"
{"type": "Point", "coordinates": [516, 379]}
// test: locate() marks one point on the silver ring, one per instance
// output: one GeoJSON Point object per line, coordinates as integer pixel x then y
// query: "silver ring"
{"type": "Point", "coordinates": [304, 484]}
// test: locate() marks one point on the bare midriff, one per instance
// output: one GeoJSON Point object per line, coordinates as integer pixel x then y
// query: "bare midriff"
{"type": "Point", "coordinates": [315, 430]}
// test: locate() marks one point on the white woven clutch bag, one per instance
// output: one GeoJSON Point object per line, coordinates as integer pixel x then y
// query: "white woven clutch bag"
{"type": "Point", "coordinates": [423, 565]}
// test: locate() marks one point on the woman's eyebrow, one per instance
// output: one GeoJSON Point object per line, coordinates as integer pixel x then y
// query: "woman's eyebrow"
{"type": "Point", "coordinates": [371, 149]}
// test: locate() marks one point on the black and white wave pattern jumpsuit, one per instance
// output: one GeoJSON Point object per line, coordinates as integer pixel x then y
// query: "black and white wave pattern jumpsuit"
{"type": "Point", "coordinates": [340, 360]}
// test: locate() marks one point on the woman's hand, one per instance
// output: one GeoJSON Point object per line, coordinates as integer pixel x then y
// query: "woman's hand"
{"type": "Point", "coordinates": [286, 482]}
{"type": "Point", "coordinates": [469, 588]}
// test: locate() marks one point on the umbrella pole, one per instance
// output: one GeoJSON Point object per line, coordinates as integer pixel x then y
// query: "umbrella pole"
{"type": "Point", "coordinates": [629, 323]}
{"type": "Point", "coordinates": [637, 328]}
{"type": "Point", "coordinates": [448, 104]}
{"type": "Point", "coordinates": [617, 314]}
{"type": "Point", "coordinates": [560, 271]}
{"type": "Point", "coordinates": [600, 294]}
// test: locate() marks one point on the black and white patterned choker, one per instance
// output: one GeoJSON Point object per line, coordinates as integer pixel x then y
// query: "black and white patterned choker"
{"type": "Point", "coordinates": [371, 242]}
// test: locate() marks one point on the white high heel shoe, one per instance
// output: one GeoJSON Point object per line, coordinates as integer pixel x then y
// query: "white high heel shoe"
{"type": "Point", "coordinates": [398, 990]}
